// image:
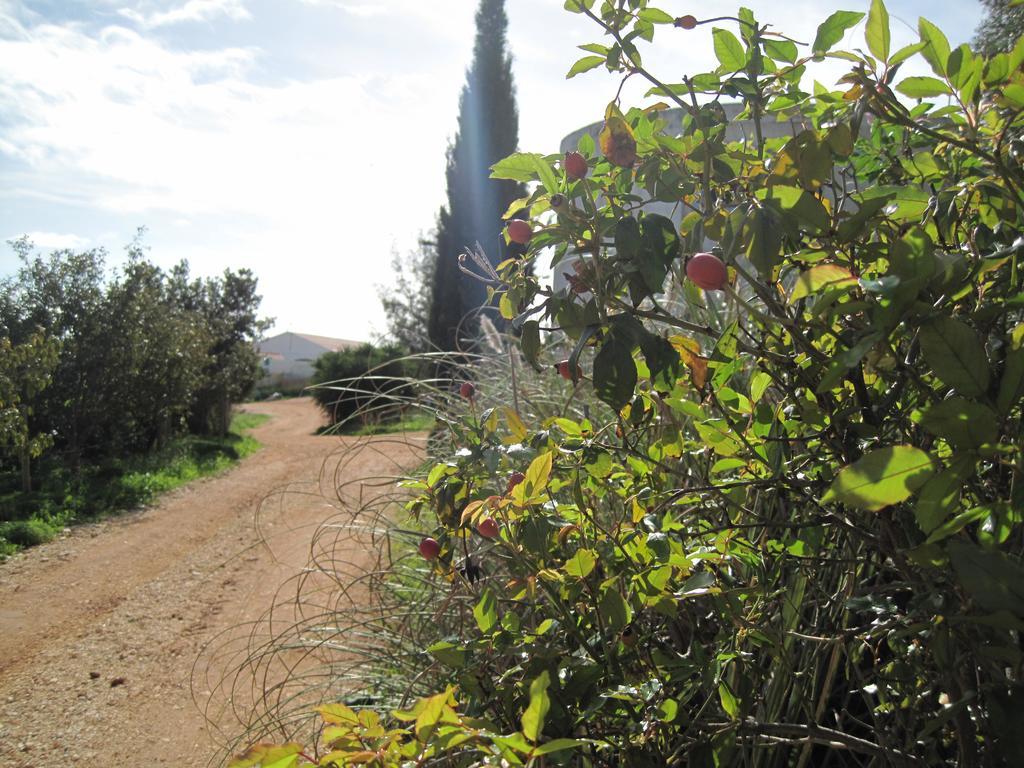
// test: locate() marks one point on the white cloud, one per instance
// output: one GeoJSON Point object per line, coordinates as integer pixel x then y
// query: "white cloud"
{"type": "Point", "coordinates": [310, 183]}
{"type": "Point", "coordinates": [52, 240]}
{"type": "Point", "coordinates": [191, 11]}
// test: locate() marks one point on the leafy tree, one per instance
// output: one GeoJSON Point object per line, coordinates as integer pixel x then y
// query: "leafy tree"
{"type": "Point", "coordinates": [63, 294]}
{"type": "Point", "coordinates": [1001, 28]}
{"type": "Point", "coordinates": [26, 369]}
{"type": "Point", "coordinates": [228, 306]}
{"type": "Point", "coordinates": [159, 351]}
{"type": "Point", "coordinates": [488, 130]}
{"type": "Point", "coordinates": [406, 301]}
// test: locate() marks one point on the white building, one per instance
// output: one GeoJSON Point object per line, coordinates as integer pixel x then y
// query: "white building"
{"type": "Point", "coordinates": [288, 358]}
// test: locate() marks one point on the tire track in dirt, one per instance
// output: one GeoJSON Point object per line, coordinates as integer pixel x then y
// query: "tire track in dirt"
{"type": "Point", "coordinates": [99, 630]}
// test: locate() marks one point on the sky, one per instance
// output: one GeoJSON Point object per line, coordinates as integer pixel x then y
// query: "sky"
{"type": "Point", "coordinates": [302, 139]}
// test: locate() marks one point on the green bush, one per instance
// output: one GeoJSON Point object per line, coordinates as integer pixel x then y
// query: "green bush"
{"type": "Point", "coordinates": [778, 521]}
{"type": "Point", "coordinates": [27, 533]}
{"type": "Point", "coordinates": [366, 380]}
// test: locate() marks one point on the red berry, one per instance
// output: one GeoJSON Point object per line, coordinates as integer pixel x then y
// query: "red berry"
{"type": "Point", "coordinates": [467, 390]}
{"type": "Point", "coordinates": [565, 372]}
{"type": "Point", "coordinates": [575, 165]}
{"type": "Point", "coordinates": [513, 480]}
{"type": "Point", "coordinates": [519, 231]}
{"type": "Point", "coordinates": [707, 271]}
{"type": "Point", "coordinates": [488, 528]}
{"type": "Point", "coordinates": [686, 22]}
{"type": "Point", "coordinates": [429, 548]}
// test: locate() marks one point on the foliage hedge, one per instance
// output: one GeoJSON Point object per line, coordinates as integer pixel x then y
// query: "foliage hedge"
{"type": "Point", "coordinates": [100, 365]}
{"type": "Point", "coordinates": [367, 380]}
{"type": "Point", "coordinates": [790, 532]}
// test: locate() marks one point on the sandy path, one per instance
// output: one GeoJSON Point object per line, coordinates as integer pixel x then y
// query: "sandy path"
{"type": "Point", "coordinates": [100, 630]}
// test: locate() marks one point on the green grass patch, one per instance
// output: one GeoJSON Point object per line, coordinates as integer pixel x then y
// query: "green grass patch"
{"type": "Point", "coordinates": [413, 421]}
{"type": "Point", "coordinates": [62, 497]}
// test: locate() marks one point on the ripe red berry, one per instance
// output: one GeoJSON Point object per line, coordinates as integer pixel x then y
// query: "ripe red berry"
{"type": "Point", "coordinates": [686, 22]}
{"type": "Point", "coordinates": [565, 372]}
{"type": "Point", "coordinates": [519, 231]}
{"type": "Point", "coordinates": [575, 165]}
{"type": "Point", "coordinates": [488, 528]}
{"type": "Point", "coordinates": [429, 548]}
{"type": "Point", "coordinates": [513, 480]}
{"type": "Point", "coordinates": [707, 271]}
{"type": "Point", "coordinates": [467, 390]}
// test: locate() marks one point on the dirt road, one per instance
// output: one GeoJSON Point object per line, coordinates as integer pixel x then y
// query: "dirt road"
{"type": "Point", "coordinates": [100, 631]}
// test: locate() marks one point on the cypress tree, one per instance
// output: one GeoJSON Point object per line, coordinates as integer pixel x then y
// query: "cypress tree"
{"type": "Point", "coordinates": [488, 130]}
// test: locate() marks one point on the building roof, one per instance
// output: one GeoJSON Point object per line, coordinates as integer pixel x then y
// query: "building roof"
{"type": "Point", "coordinates": [328, 342]}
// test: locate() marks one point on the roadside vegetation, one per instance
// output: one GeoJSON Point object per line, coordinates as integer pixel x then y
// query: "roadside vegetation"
{"type": "Point", "coordinates": [115, 384]}
{"type": "Point", "coordinates": [368, 390]}
{"type": "Point", "coordinates": [747, 490]}
{"type": "Point", "coordinates": [61, 498]}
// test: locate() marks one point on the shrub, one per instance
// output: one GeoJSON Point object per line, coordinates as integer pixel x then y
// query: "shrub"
{"type": "Point", "coordinates": [367, 380]}
{"type": "Point", "coordinates": [27, 533]}
{"type": "Point", "coordinates": [790, 533]}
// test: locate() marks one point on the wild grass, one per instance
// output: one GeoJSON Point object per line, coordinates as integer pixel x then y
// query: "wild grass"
{"type": "Point", "coordinates": [355, 624]}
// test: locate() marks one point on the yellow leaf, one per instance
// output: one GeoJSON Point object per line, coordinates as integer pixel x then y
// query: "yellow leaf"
{"type": "Point", "coordinates": [689, 351]}
{"type": "Point", "coordinates": [470, 512]}
{"type": "Point", "coordinates": [338, 714]}
{"type": "Point", "coordinates": [517, 429]}
{"type": "Point", "coordinates": [536, 477]}
{"type": "Point", "coordinates": [616, 139]}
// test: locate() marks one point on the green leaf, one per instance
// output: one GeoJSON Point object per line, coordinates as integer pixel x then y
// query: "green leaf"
{"type": "Point", "coordinates": [958, 523]}
{"type": "Point", "coordinates": [923, 87]}
{"type": "Point", "coordinates": [533, 718]}
{"type": "Point", "coordinates": [993, 580]}
{"type": "Point", "coordinates": [655, 16]}
{"type": "Point", "coordinates": [1011, 385]}
{"type": "Point", "coordinates": [822, 278]}
{"type": "Point", "coordinates": [759, 382]}
{"type": "Point", "coordinates": [556, 745]}
{"type": "Point", "coordinates": [663, 360]}
{"type": "Point", "coordinates": [905, 53]}
{"type": "Point", "coordinates": [729, 49]}
{"type": "Point", "coordinates": [831, 31]}
{"type": "Point", "coordinates": [877, 31]}
{"type": "Point", "coordinates": [486, 611]}
{"type": "Point", "coordinates": [781, 50]}
{"type": "Point", "coordinates": [729, 703]}
{"type": "Point", "coordinates": [936, 50]}
{"type": "Point", "coordinates": [529, 341]}
{"type": "Point", "coordinates": [581, 564]}
{"type": "Point", "coordinates": [449, 654]}
{"type": "Point", "coordinates": [1017, 55]}
{"type": "Point", "coordinates": [940, 496]}
{"type": "Point", "coordinates": [964, 423]}
{"type": "Point", "coordinates": [585, 64]}
{"type": "Point", "coordinates": [880, 478]}
{"type": "Point", "coordinates": [615, 373]}
{"type": "Point", "coordinates": [614, 609]}
{"type": "Point", "coordinates": [956, 356]}
{"type": "Point", "coordinates": [521, 166]}
{"type": "Point", "coordinates": [651, 244]}
{"type": "Point", "coordinates": [267, 756]}
{"type": "Point", "coordinates": [763, 233]}
{"type": "Point", "coordinates": [546, 173]}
